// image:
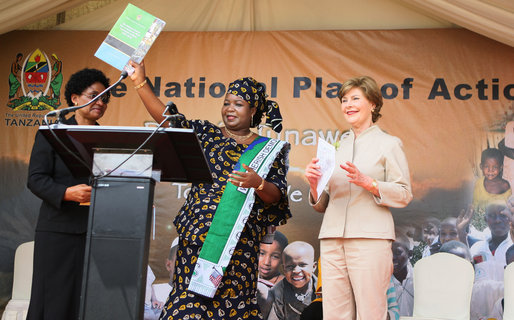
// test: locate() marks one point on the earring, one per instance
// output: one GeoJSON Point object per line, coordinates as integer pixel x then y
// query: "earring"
{"type": "Point", "coordinates": [251, 122]}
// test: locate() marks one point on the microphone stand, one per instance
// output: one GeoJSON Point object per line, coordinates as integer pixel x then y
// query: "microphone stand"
{"type": "Point", "coordinates": [60, 113]}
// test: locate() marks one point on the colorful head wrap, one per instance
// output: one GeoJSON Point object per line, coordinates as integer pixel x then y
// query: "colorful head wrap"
{"type": "Point", "coordinates": [254, 93]}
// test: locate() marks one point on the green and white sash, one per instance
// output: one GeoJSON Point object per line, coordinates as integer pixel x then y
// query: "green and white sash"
{"type": "Point", "coordinates": [230, 218]}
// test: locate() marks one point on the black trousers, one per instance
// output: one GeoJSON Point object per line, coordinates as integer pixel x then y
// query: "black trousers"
{"type": "Point", "coordinates": [57, 276]}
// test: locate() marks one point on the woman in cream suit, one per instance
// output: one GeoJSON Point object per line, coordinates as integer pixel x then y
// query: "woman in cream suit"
{"type": "Point", "coordinates": [358, 228]}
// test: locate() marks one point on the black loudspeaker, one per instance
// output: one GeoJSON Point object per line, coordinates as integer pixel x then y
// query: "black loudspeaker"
{"type": "Point", "coordinates": [115, 265]}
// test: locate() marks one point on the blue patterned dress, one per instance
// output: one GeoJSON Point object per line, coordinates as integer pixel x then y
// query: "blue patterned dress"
{"type": "Point", "coordinates": [236, 295]}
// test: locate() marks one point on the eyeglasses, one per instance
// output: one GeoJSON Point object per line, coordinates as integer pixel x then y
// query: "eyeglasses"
{"type": "Point", "coordinates": [104, 98]}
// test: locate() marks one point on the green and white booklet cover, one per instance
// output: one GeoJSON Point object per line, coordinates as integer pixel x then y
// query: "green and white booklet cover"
{"type": "Point", "coordinates": [130, 38]}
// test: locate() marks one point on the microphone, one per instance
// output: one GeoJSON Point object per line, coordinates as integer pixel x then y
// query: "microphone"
{"type": "Point", "coordinates": [60, 113]}
{"type": "Point", "coordinates": [171, 113]}
{"type": "Point", "coordinates": [171, 108]}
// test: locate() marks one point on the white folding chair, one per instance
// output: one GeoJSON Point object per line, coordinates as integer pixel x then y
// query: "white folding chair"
{"type": "Point", "coordinates": [508, 299]}
{"type": "Point", "coordinates": [443, 284]}
{"type": "Point", "coordinates": [17, 307]}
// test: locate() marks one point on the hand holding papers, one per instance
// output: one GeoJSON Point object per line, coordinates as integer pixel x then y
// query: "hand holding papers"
{"type": "Point", "coordinates": [130, 38]}
{"type": "Point", "coordinates": [326, 155]}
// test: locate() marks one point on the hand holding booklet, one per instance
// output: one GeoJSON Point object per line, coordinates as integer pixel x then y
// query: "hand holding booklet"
{"type": "Point", "coordinates": [130, 38]}
{"type": "Point", "coordinates": [326, 155]}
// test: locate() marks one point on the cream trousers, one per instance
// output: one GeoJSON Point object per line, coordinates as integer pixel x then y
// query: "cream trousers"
{"type": "Point", "coordinates": [355, 277]}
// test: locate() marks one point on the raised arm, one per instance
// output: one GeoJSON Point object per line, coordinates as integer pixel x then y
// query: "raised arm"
{"type": "Point", "coordinates": [463, 221]}
{"type": "Point", "coordinates": [153, 104]}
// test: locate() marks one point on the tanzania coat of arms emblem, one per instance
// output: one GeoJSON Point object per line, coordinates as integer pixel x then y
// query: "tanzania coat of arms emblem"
{"type": "Point", "coordinates": [36, 83]}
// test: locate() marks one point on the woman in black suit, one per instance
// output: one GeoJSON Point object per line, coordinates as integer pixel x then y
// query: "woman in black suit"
{"type": "Point", "coordinates": [61, 227]}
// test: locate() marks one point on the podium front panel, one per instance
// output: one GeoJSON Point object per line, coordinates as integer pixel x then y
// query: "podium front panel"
{"type": "Point", "coordinates": [114, 289]}
{"type": "Point", "coordinates": [121, 207]}
{"type": "Point", "coordinates": [117, 245]}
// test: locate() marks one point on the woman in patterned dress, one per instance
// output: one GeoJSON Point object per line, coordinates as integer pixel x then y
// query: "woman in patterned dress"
{"type": "Point", "coordinates": [235, 297]}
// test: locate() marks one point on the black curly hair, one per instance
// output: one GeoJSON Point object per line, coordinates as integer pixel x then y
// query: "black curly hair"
{"type": "Point", "coordinates": [491, 153]}
{"type": "Point", "coordinates": [81, 80]}
{"type": "Point", "coordinates": [281, 239]}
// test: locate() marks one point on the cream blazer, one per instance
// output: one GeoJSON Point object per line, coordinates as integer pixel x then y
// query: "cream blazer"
{"type": "Point", "coordinates": [351, 211]}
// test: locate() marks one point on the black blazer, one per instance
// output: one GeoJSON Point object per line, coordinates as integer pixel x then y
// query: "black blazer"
{"type": "Point", "coordinates": [48, 179]}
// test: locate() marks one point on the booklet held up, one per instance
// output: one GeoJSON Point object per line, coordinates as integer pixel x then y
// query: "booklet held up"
{"type": "Point", "coordinates": [130, 38]}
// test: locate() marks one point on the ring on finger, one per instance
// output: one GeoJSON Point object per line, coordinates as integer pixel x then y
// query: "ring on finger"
{"type": "Point", "coordinates": [240, 183]}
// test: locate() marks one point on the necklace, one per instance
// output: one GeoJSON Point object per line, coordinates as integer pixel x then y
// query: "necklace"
{"type": "Point", "coordinates": [302, 296]}
{"type": "Point", "coordinates": [236, 136]}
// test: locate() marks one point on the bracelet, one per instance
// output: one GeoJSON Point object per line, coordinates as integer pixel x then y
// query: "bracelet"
{"type": "Point", "coordinates": [140, 85]}
{"type": "Point", "coordinates": [261, 186]}
{"type": "Point", "coordinates": [374, 185]}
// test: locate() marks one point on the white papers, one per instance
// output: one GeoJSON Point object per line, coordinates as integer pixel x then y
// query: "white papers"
{"type": "Point", "coordinates": [326, 155]}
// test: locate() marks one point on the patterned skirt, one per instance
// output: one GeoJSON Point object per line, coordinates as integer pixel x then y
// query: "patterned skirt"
{"type": "Point", "coordinates": [236, 296]}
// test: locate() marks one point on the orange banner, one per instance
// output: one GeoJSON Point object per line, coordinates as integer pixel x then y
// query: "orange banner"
{"type": "Point", "coordinates": [448, 94]}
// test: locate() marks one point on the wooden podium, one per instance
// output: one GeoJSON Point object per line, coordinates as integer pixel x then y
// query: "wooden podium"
{"type": "Point", "coordinates": [120, 214]}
